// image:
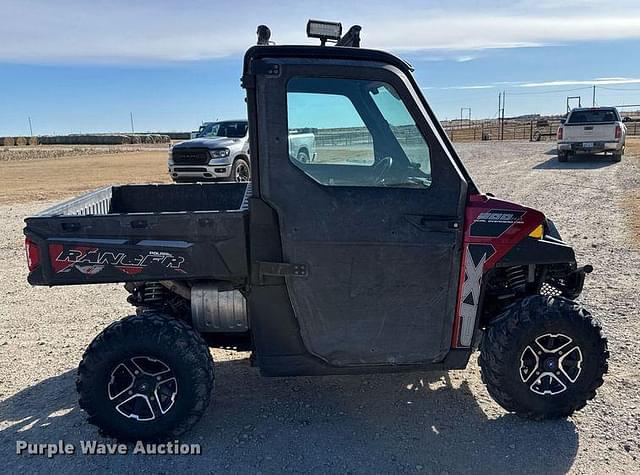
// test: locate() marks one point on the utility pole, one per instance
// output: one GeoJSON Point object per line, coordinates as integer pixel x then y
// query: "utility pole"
{"type": "Point", "coordinates": [499, 112]}
{"type": "Point", "coordinates": [30, 128]}
{"type": "Point", "coordinates": [468, 109]}
{"type": "Point", "coordinates": [131, 116]}
{"type": "Point", "coordinates": [594, 96]}
{"type": "Point", "coordinates": [504, 96]}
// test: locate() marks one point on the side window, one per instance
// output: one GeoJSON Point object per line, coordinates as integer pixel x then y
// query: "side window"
{"type": "Point", "coordinates": [347, 132]}
{"type": "Point", "coordinates": [403, 126]}
{"type": "Point", "coordinates": [327, 129]}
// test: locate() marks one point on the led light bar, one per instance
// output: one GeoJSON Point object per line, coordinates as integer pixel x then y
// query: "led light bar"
{"type": "Point", "coordinates": [325, 30]}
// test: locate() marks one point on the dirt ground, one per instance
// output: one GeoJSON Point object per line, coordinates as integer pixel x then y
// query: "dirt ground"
{"type": "Point", "coordinates": [423, 422]}
{"type": "Point", "coordinates": [67, 171]}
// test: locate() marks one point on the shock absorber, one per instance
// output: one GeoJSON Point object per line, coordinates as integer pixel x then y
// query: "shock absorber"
{"type": "Point", "coordinates": [516, 278]}
{"type": "Point", "coordinates": [152, 294]}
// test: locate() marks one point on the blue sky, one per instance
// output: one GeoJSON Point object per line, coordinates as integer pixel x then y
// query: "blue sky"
{"type": "Point", "coordinates": [77, 66]}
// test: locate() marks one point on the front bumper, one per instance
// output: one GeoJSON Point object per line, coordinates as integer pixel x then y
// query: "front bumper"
{"type": "Point", "coordinates": [199, 172]}
{"type": "Point", "coordinates": [590, 147]}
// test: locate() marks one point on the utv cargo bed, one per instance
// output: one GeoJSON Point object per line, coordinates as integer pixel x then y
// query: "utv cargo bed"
{"type": "Point", "coordinates": [142, 232]}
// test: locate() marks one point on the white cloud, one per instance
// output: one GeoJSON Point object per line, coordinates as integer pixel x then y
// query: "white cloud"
{"type": "Point", "coordinates": [477, 86]}
{"type": "Point", "coordinates": [164, 30]}
{"type": "Point", "coordinates": [583, 82]}
{"type": "Point", "coordinates": [550, 83]}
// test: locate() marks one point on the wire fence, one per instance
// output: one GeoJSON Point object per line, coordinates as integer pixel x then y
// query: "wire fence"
{"type": "Point", "coordinates": [535, 130]}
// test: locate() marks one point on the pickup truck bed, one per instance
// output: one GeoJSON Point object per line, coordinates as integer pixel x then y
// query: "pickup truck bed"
{"type": "Point", "coordinates": [142, 233]}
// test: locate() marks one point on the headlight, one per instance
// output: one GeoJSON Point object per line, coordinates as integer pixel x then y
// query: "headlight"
{"type": "Point", "coordinates": [171, 154]}
{"type": "Point", "coordinates": [219, 153]}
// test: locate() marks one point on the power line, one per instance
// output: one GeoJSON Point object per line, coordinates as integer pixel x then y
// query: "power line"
{"type": "Point", "coordinates": [548, 92]}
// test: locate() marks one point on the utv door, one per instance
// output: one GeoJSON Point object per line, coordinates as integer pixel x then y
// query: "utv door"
{"type": "Point", "coordinates": [370, 212]}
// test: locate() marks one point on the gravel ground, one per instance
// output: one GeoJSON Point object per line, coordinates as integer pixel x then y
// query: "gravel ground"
{"type": "Point", "coordinates": [430, 422]}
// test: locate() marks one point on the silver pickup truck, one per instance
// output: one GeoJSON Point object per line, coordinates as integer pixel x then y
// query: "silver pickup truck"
{"type": "Point", "coordinates": [592, 130]}
{"type": "Point", "coordinates": [220, 152]}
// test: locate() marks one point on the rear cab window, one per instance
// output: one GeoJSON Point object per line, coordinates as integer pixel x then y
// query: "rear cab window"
{"type": "Point", "coordinates": [593, 116]}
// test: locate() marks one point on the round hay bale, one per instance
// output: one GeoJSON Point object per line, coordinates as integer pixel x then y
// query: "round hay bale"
{"type": "Point", "coordinates": [21, 141]}
{"type": "Point", "coordinates": [135, 139]}
{"type": "Point", "coordinates": [8, 141]}
{"type": "Point", "coordinates": [33, 140]}
{"type": "Point", "coordinates": [165, 139]}
{"type": "Point", "coordinates": [146, 139]}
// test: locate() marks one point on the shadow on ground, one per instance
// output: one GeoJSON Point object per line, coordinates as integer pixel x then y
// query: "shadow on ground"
{"type": "Point", "coordinates": [578, 162]}
{"type": "Point", "coordinates": [357, 424]}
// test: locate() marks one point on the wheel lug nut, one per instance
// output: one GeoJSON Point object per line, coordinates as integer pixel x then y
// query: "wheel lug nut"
{"type": "Point", "coordinates": [159, 378]}
{"type": "Point", "coordinates": [136, 372]}
{"type": "Point", "coordinates": [130, 393]}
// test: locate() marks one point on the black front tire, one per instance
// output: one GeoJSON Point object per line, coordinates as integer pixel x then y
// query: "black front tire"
{"type": "Point", "coordinates": [175, 353]}
{"type": "Point", "coordinates": [523, 382]}
{"type": "Point", "coordinates": [303, 156]}
{"type": "Point", "coordinates": [563, 156]}
{"type": "Point", "coordinates": [241, 171]}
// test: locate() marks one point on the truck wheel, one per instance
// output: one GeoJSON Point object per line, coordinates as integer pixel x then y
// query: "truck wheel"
{"type": "Point", "coordinates": [241, 170]}
{"type": "Point", "coordinates": [303, 156]}
{"type": "Point", "coordinates": [617, 156]}
{"type": "Point", "coordinates": [563, 156]}
{"type": "Point", "coordinates": [544, 358]}
{"type": "Point", "coordinates": [145, 377]}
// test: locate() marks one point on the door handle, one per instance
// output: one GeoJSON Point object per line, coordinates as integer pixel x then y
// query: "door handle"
{"type": "Point", "coordinates": [434, 223]}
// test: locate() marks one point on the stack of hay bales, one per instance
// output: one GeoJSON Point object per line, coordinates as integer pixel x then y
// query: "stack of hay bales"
{"type": "Point", "coordinates": [8, 141]}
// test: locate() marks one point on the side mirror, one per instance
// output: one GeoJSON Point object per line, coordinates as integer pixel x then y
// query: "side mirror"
{"type": "Point", "coordinates": [626, 119]}
{"type": "Point", "coordinates": [563, 120]}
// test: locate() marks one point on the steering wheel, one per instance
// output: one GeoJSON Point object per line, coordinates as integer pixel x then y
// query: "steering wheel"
{"type": "Point", "coordinates": [381, 168]}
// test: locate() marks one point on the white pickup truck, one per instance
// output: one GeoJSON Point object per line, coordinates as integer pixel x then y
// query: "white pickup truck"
{"type": "Point", "coordinates": [592, 130]}
{"type": "Point", "coordinates": [220, 152]}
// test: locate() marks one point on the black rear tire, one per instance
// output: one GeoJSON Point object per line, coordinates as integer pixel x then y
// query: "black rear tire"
{"type": "Point", "coordinates": [521, 372]}
{"type": "Point", "coordinates": [170, 390]}
{"type": "Point", "coordinates": [617, 156]}
{"type": "Point", "coordinates": [563, 156]}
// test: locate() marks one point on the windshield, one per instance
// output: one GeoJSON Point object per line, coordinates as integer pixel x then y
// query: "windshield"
{"type": "Point", "coordinates": [593, 115]}
{"type": "Point", "coordinates": [233, 130]}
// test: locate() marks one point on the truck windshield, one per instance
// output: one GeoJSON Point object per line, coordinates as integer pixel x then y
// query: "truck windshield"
{"type": "Point", "coordinates": [592, 116]}
{"type": "Point", "coordinates": [234, 130]}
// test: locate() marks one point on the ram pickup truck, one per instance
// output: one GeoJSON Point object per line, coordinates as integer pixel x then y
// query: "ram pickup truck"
{"type": "Point", "coordinates": [220, 152]}
{"type": "Point", "coordinates": [379, 255]}
{"type": "Point", "coordinates": [592, 130]}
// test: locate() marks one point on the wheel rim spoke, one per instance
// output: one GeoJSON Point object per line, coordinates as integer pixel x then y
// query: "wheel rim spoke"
{"type": "Point", "coordinates": [142, 388]}
{"type": "Point", "coordinates": [556, 362]}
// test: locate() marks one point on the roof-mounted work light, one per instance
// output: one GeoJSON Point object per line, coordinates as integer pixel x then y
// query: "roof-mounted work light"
{"type": "Point", "coordinates": [324, 30]}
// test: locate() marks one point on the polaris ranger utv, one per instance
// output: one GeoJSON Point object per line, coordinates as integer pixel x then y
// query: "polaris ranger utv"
{"type": "Point", "coordinates": [379, 255]}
